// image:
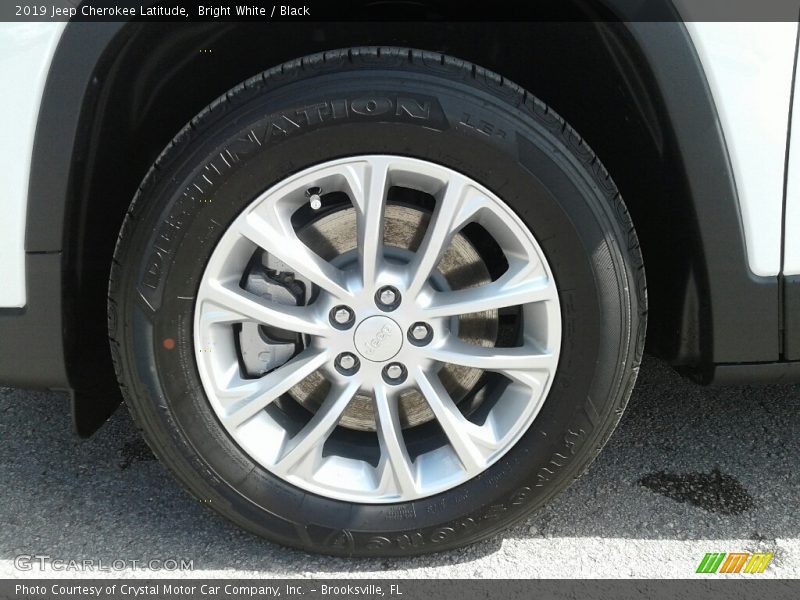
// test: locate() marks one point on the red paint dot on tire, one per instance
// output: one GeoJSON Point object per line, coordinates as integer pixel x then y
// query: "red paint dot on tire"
{"type": "Point", "coordinates": [169, 343]}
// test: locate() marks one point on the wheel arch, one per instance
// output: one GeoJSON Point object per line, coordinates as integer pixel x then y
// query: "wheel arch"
{"type": "Point", "coordinates": [117, 93]}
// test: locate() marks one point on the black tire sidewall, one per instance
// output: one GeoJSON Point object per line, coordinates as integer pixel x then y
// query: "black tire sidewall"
{"type": "Point", "coordinates": [547, 182]}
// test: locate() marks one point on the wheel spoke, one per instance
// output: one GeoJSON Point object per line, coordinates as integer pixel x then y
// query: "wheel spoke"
{"type": "Point", "coordinates": [460, 202]}
{"type": "Point", "coordinates": [286, 247]}
{"type": "Point", "coordinates": [240, 305]}
{"type": "Point", "coordinates": [505, 292]}
{"type": "Point", "coordinates": [499, 360]}
{"type": "Point", "coordinates": [317, 430]}
{"type": "Point", "coordinates": [397, 464]}
{"type": "Point", "coordinates": [369, 186]}
{"type": "Point", "coordinates": [259, 394]}
{"type": "Point", "coordinates": [463, 435]}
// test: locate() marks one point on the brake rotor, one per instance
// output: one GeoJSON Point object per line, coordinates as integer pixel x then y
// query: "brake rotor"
{"type": "Point", "coordinates": [461, 267]}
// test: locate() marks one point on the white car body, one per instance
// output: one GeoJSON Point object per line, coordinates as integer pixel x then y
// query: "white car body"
{"type": "Point", "coordinates": [749, 69]}
{"type": "Point", "coordinates": [26, 50]}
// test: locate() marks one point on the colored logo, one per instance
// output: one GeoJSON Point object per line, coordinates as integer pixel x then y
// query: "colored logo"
{"type": "Point", "coordinates": [734, 562]}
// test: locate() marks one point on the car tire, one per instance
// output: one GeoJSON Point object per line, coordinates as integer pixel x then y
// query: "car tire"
{"type": "Point", "coordinates": [413, 106]}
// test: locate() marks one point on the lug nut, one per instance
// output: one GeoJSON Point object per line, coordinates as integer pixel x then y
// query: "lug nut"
{"type": "Point", "coordinates": [346, 363]}
{"type": "Point", "coordinates": [342, 317]}
{"type": "Point", "coordinates": [387, 298]}
{"type": "Point", "coordinates": [394, 373]}
{"type": "Point", "coordinates": [420, 333]}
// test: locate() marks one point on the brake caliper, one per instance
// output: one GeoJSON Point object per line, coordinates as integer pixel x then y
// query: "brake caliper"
{"type": "Point", "coordinates": [264, 348]}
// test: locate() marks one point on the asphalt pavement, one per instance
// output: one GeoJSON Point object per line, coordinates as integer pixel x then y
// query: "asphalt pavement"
{"type": "Point", "coordinates": [690, 470]}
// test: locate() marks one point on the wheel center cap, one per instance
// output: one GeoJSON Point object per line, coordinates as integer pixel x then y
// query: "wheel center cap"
{"type": "Point", "coordinates": [378, 338]}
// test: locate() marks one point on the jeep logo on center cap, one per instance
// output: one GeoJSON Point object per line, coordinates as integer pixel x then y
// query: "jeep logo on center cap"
{"type": "Point", "coordinates": [378, 338]}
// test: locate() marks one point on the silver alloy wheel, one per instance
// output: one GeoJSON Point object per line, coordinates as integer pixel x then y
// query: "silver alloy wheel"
{"type": "Point", "coordinates": [379, 337]}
